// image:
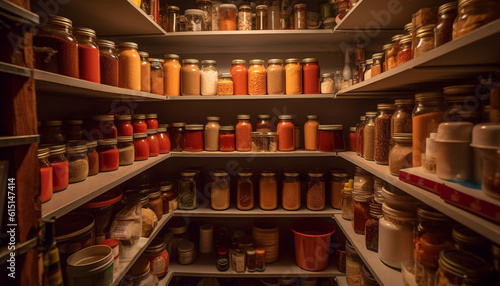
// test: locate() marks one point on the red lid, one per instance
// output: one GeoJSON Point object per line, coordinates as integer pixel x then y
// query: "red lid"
{"type": "Point", "coordinates": [222, 250]}
{"type": "Point", "coordinates": [111, 242]}
{"type": "Point", "coordinates": [99, 204]}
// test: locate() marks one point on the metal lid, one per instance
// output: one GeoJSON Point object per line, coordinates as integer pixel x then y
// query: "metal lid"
{"type": "Point", "coordinates": [186, 246]}
{"type": "Point", "coordinates": [143, 54]}
{"type": "Point", "coordinates": [52, 123]}
{"type": "Point", "coordinates": [243, 116]}
{"type": "Point", "coordinates": [194, 127]}
{"type": "Point", "coordinates": [327, 75]}
{"type": "Point", "coordinates": [451, 6]}
{"type": "Point", "coordinates": [315, 173]}
{"type": "Point", "coordinates": [352, 129]}
{"type": "Point", "coordinates": [171, 56]}
{"type": "Point", "coordinates": [387, 46]}
{"type": "Point", "coordinates": [243, 7]}
{"type": "Point", "coordinates": [296, 6]}
{"type": "Point", "coordinates": [310, 60]}
{"type": "Point", "coordinates": [166, 186]}
{"type": "Point", "coordinates": [401, 215]}
{"type": "Point", "coordinates": [238, 61]}
{"type": "Point", "coordinates": [57, 150]}
{"type": "Point", "coordinates": [129, 45]}
{"type": "Point", "coordinates": [408, 27]}
{"type": "Point", "coordinates": [173, 8]}
{"type": "Point", "coordinates": [156, 245]}
{"type": "Point", "coordinates": [151, 115]}
{"type": "Point", "coordinates": [369, 62]}
{"type": "Point", "coordinates": [331, 127]}
{"type": "Point", "coordinates": [208, 62]}
{"type": "Point", "coordinates": [75, 147]}
{"type": "Point", "coordinates": [82, 31]}
{"type": "Point", "coordinates": [227, 128]}
{"type": "Point", "coordinates": [178, 124]}
{"type": "Point", "coordinates": [91, 144]}
{"type": "Point", "coordinates": [312, 116]}
{"type": "Point", "coordinates": [460, 90]}
{"type": "Point", "coordinates": [43, 152]}
{"type": "Point", "coordinates": [61, 21]}
{"type": "Point", "coordinates": [464, 2]}
{"type": "Point", "coordinates": [396, 38]}
{"type": "Point", "coordinates": [428, 96]}
{"type": "Point", "coordinates": [104, 117]}
{"type": "Point", "coordinates": [263, 116]}
{"type": "Point", "coordinates": [245, 173]}
{"type": "Point", "coordinates": [267, 173]}
{"type": "Point", "coordinates": [377, 56]}
{"type": "Point", "coordinates": [402, 137]}
{"type": "Point", "coordinates": [101, 43]}
{"type": "Point", "coordinates": [140, 135]}
{"type": "Point", "coordinates": [261, 7]}
{"type": "Point", "coordinates": [190, 61]}
{"type": "Point", "coordinates": [285, 117]}
{"type": "Point", "coordinates": [462, 234]}
{"type": "Point", "coordinates": [405, 40]}
{"type": "Point", "coordinates": [139, 116]}
{"type": "Point", "coordinates": [427, 212]}
{"type": "Point", "coordinates": [154, 195]}
{"type": "Point", "coordinates": [232, 6]}
{"type": "Point", "coordinates": [194, 12]}
{"type": "Point", "coordinates": [291, 173]}
{"type": "Point", "coordinates": [292, 61]}
{"type": "Point", "coordinates": [404, 102]}
{"type": "Point", "coordinates": [256, 62]}
{"type": "Point", "coordinates": [275, 61]}
{"type": "Point", "coordinates": [425, 31]}
{"type": "Point", "coordinates": [220, 173]}
{"type": "Point", "coordinates": [370, 114]}
{"type": "Point", "coordinates": [386, 106]}
{"type": "Point", "coordinates": [225, 75]}
{"type": "Point", "coordinates": [188, 173]}
{"type": "Point", "coordinates": [250, 251]}
{"type": "Point", "coordinates": [107, 142]}
{"type": "Point", "coordinates": [362, 118]}
{"type": "Point", "coordinates": [350, 249]}
{"type": "Point", "coordinates": [213, 118]}
{"type": "Point", "coordinates": [338, 172]}
{"type": "Point", "coordinates": [161, 129]}
{"type": "Point", "coordinates": [123, 139]}
{"type": "Point", "coordinates": [123, 117]}
{"type": "Point", "coordinates": [473, 269]}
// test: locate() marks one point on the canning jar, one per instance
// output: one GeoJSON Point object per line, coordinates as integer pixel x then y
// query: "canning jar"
{"type": "Point", "coordinates": [154, 144]}
{"type": "Point", "coordinates": [424, 40]}
{"type": "Point", "coordinates": [93, 158]}
{"type": "Point", "coordinates": [155, 203]}
{"type": "Point", "coordinates": [401, 120]}
{"type": "Point", "coordinates": [193, 138]}
{"type": "Point", "coordinates": [311, 132]}
{"type": "Point", "coordinates": [368, 69]}
{"type": "Point", "coordinates": [369, 136]}
{"type": "Point", "coordinates": [220, 189]}
{"type": "Point", "coordinates": [60, 167]}
{"type": "Point", "coordinates": [167, 195]}
{"type": "Point", "coordinates": [140, 273]}
{"type": "Point", "coordinates": [51, 132]}
{"type": "Point", "coordinates": [109, 157]}
{"type": "Point", "coordinates": [378, 185]}
{"type": "Point", "coordinates": [126, 150]}
{"type": "Point", "coordinates": [190, 77]}
{"type": "Point", "coordinates": [427, 114]}
{"type": "Point", "coordinates": [443, 32]}
{"type": "Point", "coordinates": [347, 202]}
{"type": "Point", "coordinates": [315, 196]}
{"type": "Point", "coordinates": [177, 136]}
{"type": "Point", "coordinates": [360, 75]}
{"type": "Point", "coordinates": [263, 123]}
{"type": "Point", "coordinates": [227, 17]}
{"type": "Point", "coordinates": [354, 265]}
{"type": "Point", "coordinates": [158, 257]}
{"type": "Point", "coordinates": [73, 129]}
{"type": "Point", "coordinates": [261, 17]}
{"type": "Point", "coordinates": [361, 210]}
{"type": "Point", "coordinates": [209, 77]}
{"type": "Point", "coordinates": [310, 76]}
{"type": "Point", "coordinates": [299, 16]}
{"type": "Point", "coordinates": [225, 84]}
{"type": "Point", "coordinates": [243, 133]}
{"type": "Point", "coordinates": [46, 174]}
{"type": "Point", "coordinates": [273, 16]}
{"type": "Point", "coordinates": [157, 82]}
{"type": "Point", "coordinates": [206, 7]}
{"type": "Point", "coordinates": [195, 21]}
{"type": "Point", "coordinates": [139, 123]}
{"type": "Point", "coordinates": [55, 47]}
{"type": "Point", "coordinates": [383, 133]}
{"type": "Point", "coordinates": [141, 146]}
{"type": "Point", "coordinates": [368, 279]}
{"type": "Point", "coordinates": [268, 190]}
{"type": "Point", "coordinates": [163, 138]}
{"type": "Point", "coordinates": [337, 183]}
{"type": "Point", "coordinates": [359, 136]}
{"type": "Point", "coordinates": [212, 133]}
{"type": "Point", "coordinates": [327, 83]}
{"type": "Point", "coordinates": [391, 54]}
{"type": "Point", "coordinates": [227, 138]}
{"type": "Point", "coordinates": [404, 50]}
{"type": "Point", "coordinates": [462, 103]}
{"type": "Point", "coordinates": [467, 240]}
{"type": "Point", "coordinates": [372, 226]}
{"type": "Point", "coordinates": [462, 268]}
{"type": "Point", "coordinates": [215, 14]}
{"type": "Point", "coordinates": [172, 75]}
{"type": "Point", "coordinates": [473, 14]}
{"type": "Point", "coordinates": [400, 156]}
{"type": "Point", "coordinates": [88, 54]}
{"type": "Point", "coordinates": [352, 138]}
{"type": "Point", "coordinates": [293, 72]}
{"type": "Point", "coordinates": [275, 77]}
{"type": "Point", "coordinates": [257, 78]}
{"type": "Point", "coordinates": [124, 125]}
{"type": "Point", "coordinates": [129, 66]}
{"type": "Point", "coordinates": [187, 252]}
{"type": "Point", "coordinates": [285, 130]}
{"type": "Point", "coordinates": [240, 77]}
{"type": "Point", "coordinates": [245, 191]}
{"type": "Point", "coordinates": [108, 62]}
{"type": "Point", "coordinates": [170, 21]}
{"type": "Point", "coordinates": [432, 235]}
{"type": "Point", "coordinates": [187, 191]}
{"type": "Point", "coordinates": [245, 18]}
{"type": "Point", "coordinates": [330, 138]}
{"type": "Point", "coordinates": [290, 194]}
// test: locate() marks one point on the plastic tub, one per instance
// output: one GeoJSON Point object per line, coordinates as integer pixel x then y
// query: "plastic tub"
{"type": "Point", "coordinates": [485, 142]}
{"type": "Point", "coordinates": [91, 266]}
{"type": "Point", "coordinates": [397, 199]}
{"type": "Point", "coordinates": [312, 243]}
{"type": "Point", "coordinates": [452, 139]}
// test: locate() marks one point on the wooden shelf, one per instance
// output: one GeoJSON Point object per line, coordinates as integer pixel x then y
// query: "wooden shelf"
{"type": "Point", "coordinates": [10, 141]}
{"type": "Point", "coordinates": [220, 154]}
{"type": "Point", "coordinates": [207, 211]}
{"type": "Point", "coordinates": [24, 15]}
{"type": "Point", "coordinates": [480, 225]}
{"type": "Point", "coordinates": [251, 97]}
{"type": "Point", "coordinates": [14, 69]}
{"type": "Point", "coordinates": [20, 248]}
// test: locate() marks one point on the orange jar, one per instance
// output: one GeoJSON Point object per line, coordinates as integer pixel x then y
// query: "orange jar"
{"type": "Point", "coordinates": [311, 132]}
{"type": "Point", "coordinates": [290, 194]}
{"type": "Point", "coordinates": [257, 78]}
{"type": "Point", "coordinates": [310, 75]}
{"type": "Point", "coordinates": [172, 75]}
{"type": "Point", "coordinates": [244, 133]}
{"type": "Point", "coordinates": [158, 257]}
{"type": "Point", "coordinates": [240, 77]}
{"type": "Point", "coordinates": [285, 130]}
{"type": "Point", "coordinates": [268, 190]}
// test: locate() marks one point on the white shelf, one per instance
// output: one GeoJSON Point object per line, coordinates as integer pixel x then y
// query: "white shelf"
{"type": "Point", "coordinates": [78, 194]}
{"type": "Point", "coordinates": [25, 15]}
{"type": "Point", "coordinates": [252, 97]}
{"type": "Point", "coordinates": [384, 274]}
{"type": "Point", "coordinates": [135, 251]}
{"type": "Point", "coordinates": [17, 70]}
{"type": "Point", "coordinates": [207, 211]}
{"type": "Point", "coordinates": [279, 154]}
{"type": "Point", "coordinates": [480, 225]}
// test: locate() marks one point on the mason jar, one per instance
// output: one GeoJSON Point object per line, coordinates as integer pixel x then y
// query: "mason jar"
{"type": "Point", "coordinates": [108, 60]}
{"type": "Point", "coordinates": [209, 77]}
{"type": "Point", "coordinates": [315, 196]}
{"type": "Point", "coordinates": [88, 54]}
{"type": "Point", "coordinates": [220, 190]}
{"type": "Point", "coordinates": [187, 191]}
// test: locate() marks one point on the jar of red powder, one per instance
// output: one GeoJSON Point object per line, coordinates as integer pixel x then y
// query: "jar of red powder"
{"type": "Point", "coordinates": [177, 136]}
{"type": "Point", "coordinates": [152, 120]}
{"type": "Point", "coordinates": [240, 77]}
{"type": "Point", "coordinates": [243, 133]}
{"type": "Point", "coordinates": [109, 156]}
{"type": "Point", "coordinates": [124, 125]}
{"type": "Point", "coordinates": [310, 76]}
{"type": "Point", "coordinates": [88, 54]}
{"type": "Point", "coordinates": [46, 185]}
{"type": "Point", "coordinates": [193, 138]}
{"type": "Point", "coordinates": [93, 158]}
{"type": "Point", "coordinates": [404, 51]}
{"type": "Point", "coordinates": [141, 146]}
{"type": "Point", "coordinates": [330, 138]}
{"type": "Point", "coordinates": [60, 167]}
{"type": "Point", "coordinates": [154, 144]}
{"type": "Point", "coordinates": [108, 60]}
{"type": "Point", "coordinates": [226, 138]}
{"type": "Point", "coordinates": [285, 130]}
{"type": "Point", "coordinates": [352, 138]}
{"type": "Point", "coordinates": [103, 127]}
{"type": "Point", "coordinates": [163, 139]}
{"type": "Point", "coordinates": [139, 123]}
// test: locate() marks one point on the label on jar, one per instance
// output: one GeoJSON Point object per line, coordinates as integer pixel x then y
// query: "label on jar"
{"type": "Point", "coordinates": [158, 265]}
{"type": "Point", "coordinates": [123, 230]}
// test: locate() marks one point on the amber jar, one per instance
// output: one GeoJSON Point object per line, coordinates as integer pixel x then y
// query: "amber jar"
{"type": "Point", "coordinates": [261, 17]}
{"type": "Point", "coordinates": [401, 119]}
{"type": "Point", "coordinates": [371, 226]}
{"type": "Point", "coordinates": [93, 158]}
{"type": "Point", "coordinates": [404, 50]}
{"type": "Point", "coordinates": [462, 104]}
{"type": "Point", "coordinates": [391, 53]}
{"type": "Point", "coordinates": [290, 194]}
{"type": "Point", "coordinates": [268, 190]}
{"type": "Point", "coordinates": [108, 60]}
{"type": "Point", "coordinates": [51, 132]}
{"type": "Point", "coordinates": [443, 32]}
{"type": "Point", "coordinates": [315, 196]}
{"type": "Point", "coordinates": [337, 183]}
{"type": "Point", "coordinates": [257, 78]}
{"type": "Point", "coordinates": [167, 195]}
{"type": "Point", "coordinates": [424, 40]}
{"type": "Point", "coordinates": [377, 64]}
{"type": "Point", "coordinates": [473, 14]}
{"type": "Point", "coordinates": [245, 191]}
{"type": "Point", "coordinates": [156, 203]}
{"type": "Point", "coordinates": [264, 123]}
{"type": "Point", "coordinates": [361, 210]}
{"type": "Point", "coordinates": [158, 257]}
{"type": "Point", "coordinates": [383, 133]}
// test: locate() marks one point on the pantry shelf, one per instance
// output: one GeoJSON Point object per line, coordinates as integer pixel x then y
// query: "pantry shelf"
{"type": "Point", "coordinates": [24, 14]}
{"type": "Point", "coordinates": [9, 141]}
{"type": "Point", "coordinates": [136, 251]}
{"type": "Point", "coordinates": [79, 193]}
{"type": "Point", "coordinates": [470, 55]}
{"type": "Point", "coordinates": [252, 97]}
{"type": "Point", "coordinates": [68, 86]}
{"type": "Point", "coordinates": [480, 225]}
{"type": "Point", "coordinates": [219, 154]}
{"type": "Point", "coordinates": [384, 274]}
{"type": "Point", "coordinates": [207, 211]}
{"type": "Point", "coordinates": [20, 248]}
{"type": "Point", "coordinates": [15, 69]}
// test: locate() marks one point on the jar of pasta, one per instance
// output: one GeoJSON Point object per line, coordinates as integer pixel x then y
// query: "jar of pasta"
{"type": "Point", "coordinates": [256, 78]}
{"type": "Point", "coordinates": [290, 194]}
{"type": "Point", "coordinates": [245, 18]}
{"type": "Point", "coordinates": [293, 72]}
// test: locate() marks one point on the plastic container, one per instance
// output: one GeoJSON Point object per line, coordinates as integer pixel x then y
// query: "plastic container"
{"type": "Point", "coordinates": [312, 243]}
{"type": "Point", "coordinates": [91, 266]}
{"type": "Point", "coordinates": [453, 138]}
{"type": "Point", "coordinates": [485, 142]}
{"type": "Point", "coordinates": [399, 200]}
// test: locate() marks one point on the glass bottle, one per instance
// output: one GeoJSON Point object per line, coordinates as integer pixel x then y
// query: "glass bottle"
{"type": "Point", "coordinates": [187, 191]}
{"type": "Point", "coordinates": [264, 123]}
{"type": "Point", "coordinates": [171, 21]}
{"type": "Point", "coordinates": [257, 78]}
{"type": "Point", "coordinates": [369, 136]}
{"type": "Point", "coordinates": [206, 7]}
{"type": "Point", "coordinates": [315, 198]}
{"type": "Point", "coordinates": [260, 259]}
{"type": "Point", "coordinates": [400, 156]}
{"type": "Point", "coordinates": [275, 77]}
{"type": "Point", "coordinates": [290, 194]}
{"type": "Point", "coordinates": [209, 77]}
{"type": "Point", "coordinates": [268, 190]}
{"type": "Point", "coordinates": [243, 133]}
{"type": "Point", "coordinates": [401, 119]}
{"type": "Point", "coordinates": [177, 136]}
{"type": "Point", "coordinates": [46, 185]}
{"type": "Point", "coordinates": [145, 72]}
{"type": "Point", "coordinates": [220, 190]}
{"type": "Point", "coordinates": [157, 82]}
{"type": "Point", "coordinates": [108, 61]}
{"type": "Point", "coordinates": [337, 183]}
{"type": "Point", "coordinates": [245, 18]}
{"type": "Point", "coordinates": [261, 17]}
{"type": "Point", "coordinates": [361, 210]}
{"type": "Point", "coordinates": [190, 77]}
{"type": "Point", "coordinates": [225, 84]}
{"type": "Point", "coordinates": [383, 133]}
{"type": "Point", "coordinates": [371, 227]}
{"type": "Point", "coordinates": [360, 76]}
{"type": "Point", "coordinates": [443, 32]}
{"type": "Point", "coordinates": [424, 40]}
{"type": "Point", "coordinates": [222, 259]}
{"type": "Point", "coordinates": [299, 16]}
{"type": "Point", "coordinates": [245, 191]}
{"type": "Point", "coordinates": [273, 16]}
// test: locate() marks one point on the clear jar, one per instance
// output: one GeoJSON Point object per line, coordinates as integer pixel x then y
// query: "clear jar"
{"type": "Point", "coordinates": [299, 16]}
{"type": "Point", "coordinates": [473, 14]}
{"type": "Point", "coordinates": [275, 77]}
{"type": "Point", "coordinates": [73, 129]}
{"type": "Point", "coordinates": [311, 132]}
{"type": "Point", "coordinates": [315, 196]}
{"type": "Point", "coordinates": [108, 61]}
{"type": "Point", "coordinates": [155, 203]}
{"type": "Point", "coordinates": [261, 17]}
{"type": "Point", "coordinates": [167, 195]}
{"type": "Point", "coordinates": [51, 132]}
{"type": "Point", "coordinates": [330, 138]}
{"type": "Point", "coordinates": [158, 257]}
{"type": "Point", "coordinates": [225, 84]}
{"type": "Point", "coordinates": [145, 72]}
{"type": "Point", "coordinates": [443, 32]}
{"type": "Point", "coordinates": [347, 203]}
{"type": "Point", "coordinates": [243, 133]}
{"type": "Point", "coordinates": [462, 268]}
{"type": "Point", "coordinates": [190, 77]}
{"type": "Point", "coordinates": [378, 185]}
{"type": "Point", "coordinates": [290, 193]}
{"type": "Point", "coordinates": [172, 75]}
{"type": "Point", "coordinates": [359, 136]}
{"type": "Point", "coordinates": [141, 146]}
{"type": "Point", "coordinates": [240, 77]}
{"type": "Point", "coordinates": [93, 158]}
{"type": "Point", "coordinates": [257, 78]}
{"type": "Point", "coordinates": [467, 240]}
{"type": "Point", "coordinates": [383, 133]}
{"type": "Point", "coordinates": [108, 155]}
{"type": "Point", "coordinates": [360, 75]}
{"type": "Point", "coordinates": [401, 119]}
{"type": "Point", "coordinates": [212, 133]}
{"type": "Point", "coordinates": [285, 130]}
{"type": "Point", "coordinates": [126, 150]}
{"type": "Point", "coordinates": [206, 7]}
{"type": "Point", "coordinates": [293, 72]}
{"type": "Point", "coordinates": [368, 279]}
{"type": "Point", "coordinates": [209, 77]}
{"type": "Point", "coordinates": [227, 140]}
{"type": "Point", "coordinates": [46, 174]}
{"type": "Point", "coordinates": [263, 123]}
{"type": "Point", "coordinates": [363, 180]}
{"type": "Point", "coordinates": [369, 136]}
{"type": "Point", "coordinates": [391, 54]}
{"type": "Point", "coordinates": [215, 14]}
{"type": "Point", "coordinates": [462, 104]}
{"type": "Point", "coordinates": [187, 191]}
{"type": "Point", "coordinates": [245, 191]}
{"type": "Point", "coordinates": [129, 66]}
{"type": "Point", "coordinates": [227, 17]}
{"type": "Point", "coordinates": [424, 40]}
{"type": "Point", "coordinates": [368, 69]}
{"type": "Point", "coordinates": [268, 190]}
{"type": "Point", "coordinates": [88, 54]}
{"type": "Point", "coordinates": [220, 189]}
{"type": "Point", "coordinates": [140, 273]}
{"type": "Point", "coordinates": [400, 156]}
{"type": "Point", "coordinates": [273, 16]}
{"type": "Point", "coordinates": [157, 82]}
{"type": "Point", "coordinates": [361, 210]}
{"type": "Point", "coordinates": [245, 18]}
{"type": "Point", "coordinates": [170, 21]}
{"type": "Point", "coordinates": [60, 168]}
{"type": "Point", "coordinates": [193, 138]}
{"type": "Point", "coordinates": [337, 183]}
{"type": "Point", "coordinates": [377, 64]}
{"type": "Point", "coordinates": [195, 21]}
{"type": "Point", "coordinates": [354, 266]}
{"type": "Point", "coordinates": [404, 50]}
{"type": "Point", "coordinates": [372, 226]}
{"type": "Point", "coordinates": [327, 83]}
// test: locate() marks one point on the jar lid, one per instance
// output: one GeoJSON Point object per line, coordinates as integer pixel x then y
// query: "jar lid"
{"type": "Point", "coordinates": [361, 195]}
{"type": "Point", "coordinates": [245, 173]}
{"type": "Point", "coordinates": [82, 31]}
{"type": "Point", "coordinates": [267, 173]}
{"type": "Point", "coordinates": [190, 61]}
{"type": "Point", "coordinates": [74, 148]}
{"type": "Point", "coordinates": [460, 90]}
{"type": "Point", "coordinates": [171, 56]}
{"type": "Point", "coordinates": [243, 7]}
{"type": "Point", "coordinates": [401, 215]}
{"type": "Point", "coordinates": [123, 139]}
{"type": "Point", "coordinates": [194, 12]}
{"type": "Point", "coordinates": [261, 7]}
{"type": "Point", "coordinates": [312, 116]}
{"type": "Point", "coordinates": [193, 127]}
{"type": "Point", "coordinates": [337, 172]}
{"type": "Point", "coordinates": [104, 117]}
{"type": "Point", "coordinates": [139, 116]}
{"type": "Point", "coordinates": [350, 249]}
{"type": "Point", "coordinates": [387, 46]}
{"type": "Point", "coordinates": [213, 118]}
{"type": "Point", "coordinates": [61, 21]}
{"type": "Point", "coordinates": [427, 212]}
{"type": "Point", "coordinates": [404, 102]}
{"type": "Point", "coordinates": [222, 250]}
{"type": "Point", "coordinates": [352, 129]}
{"type": "Point", "coordinates": [130, 45]}
{"type": "Point", "coordinates": [152, 131]}
{"type": "Point", "coordinates": [111, 242]}
{"type": "Point", "coordinates": [377, 56]}
{"type": "Point", "coordinates": [108, 142]}
{"type": "Point", "coordinates": [375, 209]}
{"type": "Point", "coordinates": [368, 277]}
{"type": "Point", "coordinates": [451, 6]}
{"type": "Point", "coordinates": [43, 152]}
{"type": "Point", "coordinates": [402, 137]}
{"type": "Point", "coordinates": [292, 61]}
{"type": "Point", "coordinates": [177, 225]}
{"type": "Point", "coordinates": [275, 61]}
{"type": "Point", "coordinates": [226, 6]}
{"type": "Point", "coordinates": [238, 61]}
{"type": "Point", "coordinates": [227, 128]}
{"type": "Point", "coordinates": [459, 99]}
{"type": "Point", "coordinates": [243, 116]}
{"type": "Point", "coordinates": [408, 27]}
{"type": "Point", "coordinates": [464, 234]}
{"type": "Point", "coordinates": [164, 125]}
{"type": "Point", "coordinates": [208, 62]}
{"type": "Point", "coordinates": [91, 144]}
{"type": "Point", "coordinates": [225, 75]}
{"type": "Point", "coordinates": [156, 245]}
{"type": "Point", "coordinates": [464, 2]}
{"type": "Point", "coordinates": [166, 186]}
{"type": "Point", "coordinates": [73, 122]}
{"type": "Point", "coordinates": [315, 173]}
{"type": "Point", "coordinates": [386, 106]}
{"type": "Point", "coordinates": [310, 60]}
{"type": "Point", "coordinates": [186, 246]}
{"type": "Point", "coordinates": [291, 173]}
{"type": "Point", "coordinates": [178, 124]}
{"type": "Point", "coordinates": [52, 123]}
{"type": "Point", "coordinates": [57, 150]}
{"type": "Point", "coordinates": [123, 117]}
{"type": "Point", "coordinates": [428, 96]}
{"type": "Point", "coordinates": [260, 250]}
{"type": "Point", "coordinates": [297, 6]}
{"type": "Point", "coordinates": [257, 134]}
{"type": "Point", "coordinates": [331, 127]}
{"type": "Point", "coordinates": [473, 269]}
{"type": "Point", "coordinates": [327, 74]}
{"type": "Point", "coordinates": [285, 117]}
{"type": "Point", "coordinates": [405, 40]}
{"type": "Point", "coordinates": [396, 38]}
{"type": "Point", "coordinates": [263, 116]}
{"type": "Point", "coordinates": [369, 61]}
{"type": "Point", "coordinates": [220, 173]}
{"type": "Point", "coordinates": [361, 171]}
{"type": "Point", "coordinates": [140, 135]}
{"type": "Point", "coordinates": [425, 31]}
{"type": "Point", "coordinates": [154, 195]}
{"type": "Point", "coordinates": [257, 62]}
{"type": "Point", "coordinates": [270, 134]}
{"type": "Point", "coordinates": [250, 251]}
{"type": "Point", "coordinates": [151, 115]}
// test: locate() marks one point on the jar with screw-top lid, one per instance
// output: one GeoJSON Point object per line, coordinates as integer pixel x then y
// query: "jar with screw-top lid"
{"type": "Point", "coordinates": [227, 17]}
{"type": "Point", "coordinates": [240, 77]}
{"type": "Point", "coordinates": [195, 21]}
{"type": "Point", "coordinates": [141, 146]}
{"type": "Point", "coordinates": [212, 133]}
{"type": "Point", "coordinates": [361, 210]}
{"type": "Point", "coordinates": [46, 173]}
{"type": "Point", "coordinates": [177, 136]}
{"type": "Point", "coordinates": [51, 132]}
{"type": "Point", "coordinates": [424, 40]}
{"type": "Point", "coordinates": [245, 191]}
{"type": "Point", "coordinates": [275, 77]}
{"type": "Point", "coordinates": [293, 73]}
{"type": "Point", "coordinates": [257, 78]}
{"type": "Point", "coordinates": [145, 71]}
{"type": "Point", "coordinates": [369, 136]}
{"type": "Point", "coordinates": [129, 66]}
{"type": "Point", "coordinates": [401, 119]}
{"type": "Point", "coordinates": [73, 129]}
{"type": "Point", "coordinates": [268, 190]}
{"type": "Point", "coordinates": [60, 168]}
{"type": "Point", "coordinates": [299, 16]}
{"type": "Point", "coordinates": [78, 162]}
{"type": "Point", "coordinates": [108, 61]}
{"type": "Point", "coordinates": [290, 193]}
{"type": "Point", "coordinates": [187, 191]}
{"type": "Point", "coordinates": [462, 104]}
{"type": "Point", "coordinates": [206, 7]}
{"type": "Point", "coordinates": [227, 138]}
{"type": "Point", "coordinates": [310, 76]}
{"type": "Point", "coordinates": [400, 156]}
{"type": "Point", "coordinates": [404, 50]}
{"type": "Point", "coordinates": [158, 257]}
{"type": "Point", "coordinates": [473, 14]}
{"type": "Point", "coordinates": [108, 155]}
{"type": "Point", "coordinates": [466, 239]}
{"type": "Point", "coordinates": [359, 136]}
{"type": "Point", "coordinates": [354, 265]}
{"type": "Point", "coordinates": [163, 138]}
{"type": "Point", "coordinates": [225, 85]}
{"type": "Point", "coordinates": [220, 189]}
{"type": "Point", "coordinates": [154, 144]}
{"type": "Point", "coordinates": [88, 54]}
{"type": "Point", "coordinates": [190, 77]}
{"type": "Point", "coordinates": [368, 279]}
{"type": "Point", "coordinates": [172, 75]}
{"type": "Point", "coordinates": [261, 17]}
{"type": "Point", "coordinates": [383, 133]}
{"type": "Point", "coordinates": [264, 123]}
{"type": "Point", "coordinates": [462, 268]}
{"type": "Point", "coordinates": [157, 82]}
{"type": "Point", "coordinates": [209, 77]}
{"type": "Point", "coordinates": [368, 69]}
{"type": "Point", "coordinates": [243, 133]}
{"type": "Point", "coordinates": [245, 18]}
{"type": "Point", "coordinates": [170, 21]}
{"type": "Point", "coordinates": [377, 64]}
{"type": "Point", "coordinates": [193, 138]}
{"type": "Point", "coordinates": [315, 195]}
{"type": "Point", "coordinates": [443, 32]}
{"type": "Point", "coordinates": [372, 226]}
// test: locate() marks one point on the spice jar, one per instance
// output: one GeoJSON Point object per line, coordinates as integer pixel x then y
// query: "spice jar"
{"type": "Point", "coordinates": [212, 133]}
{"type": "Point", "coordinates": [462, 268]}
{"type": "Point", "coordinates": [359, 136]}
{"type": "Point", "coordinates": [172, 75]}
{"type": "Point", "coordinates": [330, 138]}
{"type": "Point", "coordinates": [368, 69]}
{"type": "Point", "coordinates": [238, 260]}
{"type": "Point", "coordinates": [123, 125]}
{"type": "Point", "coordinates": [401, 120]}
{"type": "Point", "coordinates": [187, 252]}
{"type": "Point", "coordinates": [369, 136]}
{"type": "Point", "coordinates": [310, 76]}
{"type": "Point", "coordinates": [93, 158]}
{"type": "Point", "coordinates": [155, 203]}
{"type": "Point", "coordinates": [251, 262]}
{"type": "Point", "coordinates": [462, 104]}
{"type": "Point", "coordinates": [129, 66]}
{"type": "Point", "coordinates": [227, 17]}
{"type": "Point", "coordinates": [108, 155]}
{"type": "Point", "coordinates": [78, 162]}
{"type": "Point", "coordinates": [141, 146]}
{"type": "Point", "coordinates": [60, 167]}
{"type": "Point", "coordinates": [347, 201]}
{"type": "Point", "coordinates": [170, 21]}
{"type": "Point", "coordinates": [245, 18]}
{"type": "Point", "coordinates": [88, 54]}
{"type": "Point", "coordinates": [275, 77]}
{"type": "Point", "coordinates": [46, 174]}
{"type": "Point", "coordinates": [103, 127]}
{"type": "Point", "coordinates": [327, 83]}
{"type": "Point", "coordinates": [257, 78]}
{"type": "Point", "coordinates": [190, 77]}
{"type": "Point", "coordinates": [391, 53]}
{"type": "Point", "coordinates": [158, 257]}
{"type": "Point", "coordinates": [290, 193]}
{"type": "Point", "coordinates": [285, 130]}
{"type": "Point", "coordinates": [151, 121]}
{"type": "Point", "coordinates": [361, 210]}
{"type": "Point", "coordinates": [260, 259]}
{"type": "Point", "coordinates": [222, 263]}
{"type": "Point", "coordinates": [311, 132]}
{"type": "Point", "coordinates": [264, 123]}
{"type": "Point", "coordinates": [360, 75]}
{"type": "Point", "coordinates": [372, 227]}
{"type": "Point", "coordinates": [187, 191]}
{"type": "Point", "coordinates": [424, 40]}
{"type": "Point", "coordinates": [140, 273]}
{"type": "Point", "coordinates": [108, 60]}
{"type": "Point", "coordinates": [177, 136]}
{"type": "Point", "coordinates": [377, 64]}
{"type": "Point", "coordinates": [193, 138]}
{"type": "Point", "coordinates": [293, 74]}
{"type": "Point", "coordinates": [226, 138]}
{"type": "Point", "coordinates": [219, 197]}
{"type": "Point", "coordinates": [315, 197]}
{"type": "Point", "coordinates": [243, 133]}
{"type": "Point", "coordinates": [206, 7]}
{"type": "Point", "coordinates": [195, 21]}
{"type": "Point", "coordinates": [51, 132]}
{"type": "Point", "coordinates": [337, 183]}
{"type": "Point", "coordinates": [383, 133]}
{"type": "Point", "coordinates": [167, 195]}
{"type": "Point", "coordinates": [268, 190]}
{"type": "Point", "coordinates": [209, 77]}
{"type": "Point", "coordinates": [354, 265]}
{"type": "Point", "coordinates": [363, 180]}
{"type": "Point", "coordinates": [157, 82]}
{"type": "Point", "coordinates": [225, 84]}
{"type": "Point", "coordinates": [404, 50]}
{"type": "Point", "coordinates": [139, 123]}
{"type": "Point", "coordinates": [261, 17]}
{"type": "Point", "coordinates": [154, 144]}
{"type": "Point", "coordinates": [400, 156]}
{"type": "Point", "coordinates": [473, 14]}
{"type": "Point", "coordinates": [443, 32]}
{"type": "Point", "coordinates": [299, 16]}
{"type": "Point", "coordinates": [245, 191]}
{"type": "Point", "coordinates": [240, 77]}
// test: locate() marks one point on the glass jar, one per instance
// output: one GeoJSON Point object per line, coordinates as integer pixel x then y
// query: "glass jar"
{"type": "Point", "coordinates": [151, 120]}
{"type": "Point", "coordinates": [215, 14]}
{"type": "Point", "coordinates": [158, 257]}
{"type": "Point", "coordinates": [391, 56]}
{"type": "Point", "coordinates": [154, 144]}
{"type": "Point", "coordinates": [354, 265]}
{"type": "Point", "coordinates": [432, 235]}
{"type": "Point", "coordinates": [206, 7]}
{"type": "Point", "coordinates": [315, 196]}
{"type": "Point", "coordinates": [140, 273]}
{"type": "Point", "coordinates": [88, 54]}
{"type": "Point", "coordinates": [260, 259]}
{"type": "Point", "coordinates": [225, 84]}
{"type": "Point", "coordinates": [264, 123]}
{"type": "Point", "coordinates": [219, 197]}
{"type": "Point", "coordinates": [227, 17]}
{"type": "Point", "coordinates": [240, 77]}
{"type": "Point", "coordinates": [195, 21]}
{"type": "Point", "coordinates": [268, 190]}
{"type": "Point", "coordinates": [187, 252]}
{"type": "Point", "coordinates": [222, 263]}
{"type": "Point", "coordinates": [401, 120]}
{"type": "Point", "coordinates": [251, 260]}
{"type": "Point", "coordinates": [400, 156]}
{"type": "Point", "coordinates": [46, 174]}
{"type": "Point", "coordinates": [310, 76]}
{"type": "Point", "coordinates": [172, 75]}
{"type": "Point", "coordinates": [369, 136]}
{"type": "Point", "coordinates": [51, 132]}
{"type": "Point", "coordinates": [257, 78]}
{"type": "Point", "coordinates": [299, 16]}
{"type": "Point", "coordinates": [404, 50]}
{"type": "Point", "coordinates": [209, 77]}
{"type": "Point", "coordinates": [167, 195]}
{"type": "Point", "coordinates": [155, 203]}
{"type": "Point", "coordinates": [103, 127]}
{"type": "Point", "coordinates": [55, 47]}
{"type": "Point", "coordinates": [124, 125]}
{"type": "Point", "coordinates": [427, 114]}
{"type": "Point", "coordinates": [473, 14]}
{"type": "Point", "coordinates": [290, 193]}
{"type": "Point", "coordinates": [141, 146]}
{"type": "Point", "coordinates": [383, 133]}
{"type": "Point", "coordinates": [245, 191]}
{"type": "Point", "coordinates": [311, 132]}
{"type": "Point", "coordinates": [363, 180]}
{"type": "Point", "coordinates": [275, 77]}
{"type": "Point", "coordinates": [212, 133]}
{"type": "Point", "coordinates": [273, 16]}
{"type": "Point", "coordinates": [352, 138]}
{"type": "Point", "coordinates": [372, 227]}
{"type": "Point", "coordinates": [378, 185]}
{"type": "Point", "coordinates": [245, 18]}
{"type": "Point", "coordinates": [261, 17]}
{"type": "Point", "coordinates": [190, 77]}
{"type": "Point", "coordinates": [193, 138]}
{"type": "Point", "coordinates": [93, 158]}
{"type": "Point", "coordinates": [359, 136]}
{"type": "Point", "coordinates": [330, 138]}
{"type": "Point", "coordinates": [187, 191]}
{"type": "Point", "coordinates": [293, 74]}
{"type": "Point", "coordinates": [60, 167]}
{"type": "Point", "coordinates": [108, 62]}
{"type": "Point", "coordinates": [337, 183]}
{"type": "Point", "coordinates": [129, 66]}
{"type": "Point", "coordinates": [171, 19]}
{"type": "Point", "coordinates": [109, 157]}
{"type": "Point", "coordinates": [157, 82]}
{"type": "Point", "coordinates": [424, 40]}
{"type": "Point", "coordinates": [462, 268]}
{"type": "Point", "coordinates": [384, 56]}
{"type": "Point", "coordinates": [126, 150]}
{"type": "Point", "coordinates": [243, 133]}
{"type": "Point", "coordinates": [327, 83]}
{"type": "Point", "coordinates": [443, 32]}
{"type": "Point", "coordinates": [368, 69]}
{"type": "Point", "coordinates": [285, 130]}
{"type": "Point", "coordinates": [360, 75]}
{"type": "Point", "coordinates": [368, 279]}
{"type": "Point", "coordinates": [467, 240]}
{"type": "Point", "coordinates": [361, 210]}
{"type": "Point", "coordinates": [377, 64]}
{"type": "Point", "coordinates": [347, 211]}
{"type": "Point", "coordinates": [462, 104]}
{"type": "Point", "coordinates": [177, 136]}
{"type": "Point", "coordinates": [227, 138]}
{"type": "Point", "coordinates": [145, 72]}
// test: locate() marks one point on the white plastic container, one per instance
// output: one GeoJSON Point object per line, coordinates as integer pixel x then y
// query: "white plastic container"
{"type": "Point", "coordinates": [485, 142]}
{"type": "Point", "coordinates": [91, 266]}
{"type": "Point", "coordinates": [399, 200]}
{"type": "Point", "coordinates": [454, 155]}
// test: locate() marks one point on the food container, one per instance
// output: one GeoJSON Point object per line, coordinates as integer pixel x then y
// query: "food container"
{"type": "Point", "coordinates": [91, 266]}
{"type": "Point", "coordinates": [462, 268]}
{"type": "Point", "coordinates": [485, 142]}
{"type": "Point", "coordinates": [264, 141]}
{"type": "Point", "coordinates": [399, 200]}
{"type": "Point", "coordinates": [266, 235]}
{"type": "Point", "coordinates": [115, 247]}
{"type": "Point", "coordinates": [491, 180]}
{"type": "Point", "coordinates": [453, 138]}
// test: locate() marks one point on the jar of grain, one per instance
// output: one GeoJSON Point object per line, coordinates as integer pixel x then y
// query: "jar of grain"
{"type": "Point", "coordinates": [206, 7]}
{"type": "Point", "coordinates": [443, 32]}
{"type": "Point", "coordinates": [157, 82]}
{"type": "Point", "coordinates": [257, 78]}
{"type": "Point", "coordinates": [209, 77]}
{"type": "Point", "coordinates": [285, 130]}
{"type": "Point", "coordinates": [245, 18]}
{"type": "Point", "coordinates": [190, 77]}
{"type": "Point", "coordinates": [473, 14]}
{"type": "Point", "coordinates": [129, 66]}
{"type": "Point", "coordinates": [368, 69]}
{"type": "Point", "coordinates": [401, 119]}
{"type": "Point", "coordinates": [145, 72]}
{"type": "Point", "coordinates": [293, 72]}
{"type": "Point", "coordinates": [299, 17]}
{"type": "Point", "coordinates": [227, 17]}
{"type": "Point", "coordinates": [108, 60]}
{"type": "Point", "coordinates": [268, 190]}
{"type": "Point", "coordinates": [400, 156]}
{"type": "Point", "coordinates": [337, 182]}
{"type": "Point", "coordinates": [404, 50]}
{"type": "Point", "coordinates": [315, 197]}
{"type": "Point", "coordinates": [240, 77]}
{"type": "Point", "coordinates": [195, 21]}
{"type": "Point", "coordinates": [170, 21]}
{"type": "Point", "coordinates": [424, 40]}
{"type": "Point", "coordinates": [212, 133]}
{"type": "Point", "coordinates": [220, 189]}
{"type": "Point", "coordinates": [263, 123]}
{"type": "Point", "coordinates": [328, 83]}
{"type": "Point", "coordinates": [126, 150]}
{"type": "Point", "coordinates": [88, 54]}
{"type": "Point", "coordinates": [78, 162]}
{"type": "Point", "coordinates": [172, 75]}
{"type": "Point", "coordinates": [369, 136]}
{"type": "Point", "coordinates": [275, 77]}
{"type": "Point", "coordinates": [377, 64]}
{"type": "Point", "coordinates": [311, 132]}
{"type": "Point", "coordinates": [310, 75]}
{"type": "Point", "coordinates": [225, 84]}
{"type": "Point", "coordinates": [261, 17]}
{"type": "Point", "coordinates": [383, 133]}
{"type": "Point", "coordinates": [245, 191]}
{"type": "Point", "coordinates": [290, 194]}
{"type": "Point", "coordinates": [243, 133]}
